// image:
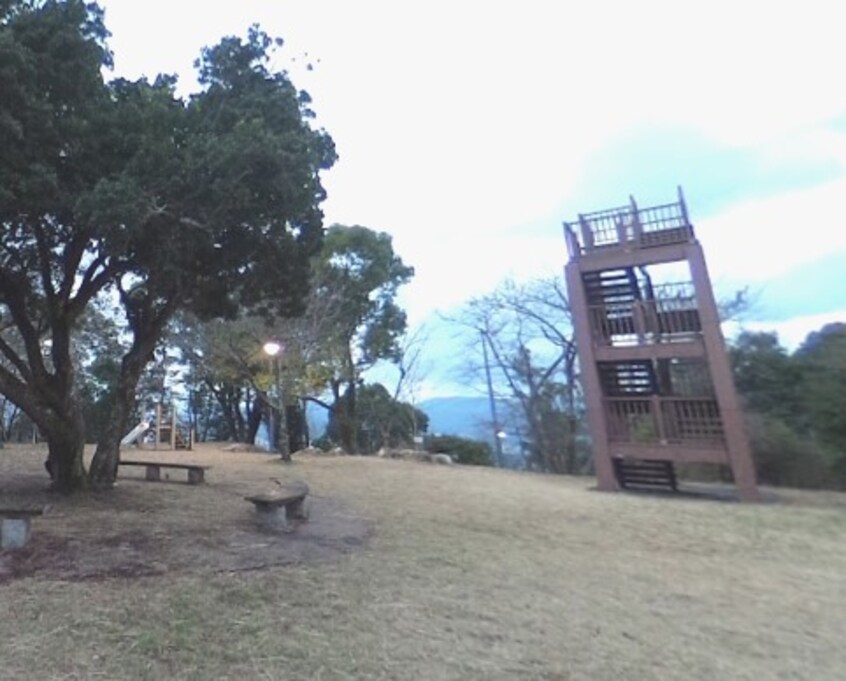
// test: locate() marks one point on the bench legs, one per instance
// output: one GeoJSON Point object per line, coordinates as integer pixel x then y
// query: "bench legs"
{"type": "Point", "coordinates": [272, 517]}
{"type": "Point", "coordinates": [294, 510]}
{"type": "Point", "coordinates": [14, 533]}
{"type": "Point", "coordinates": [196, 476]}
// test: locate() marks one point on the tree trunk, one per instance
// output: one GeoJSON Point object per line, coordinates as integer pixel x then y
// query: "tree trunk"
{"type": "Point", "coordinates": [345, 416]}
{"type": "Point", "coordinates": [229, 398]}
{"type": "Point", "coordinates": [283, 438]}
{"type": "Point", "coordinates": [254, 420]}
{"type": "Point", "coordinates": [51, 407]}
{"type": "Point", "coordinates": [45, 393]}
{"type": "Point", "coordinates": [107, 455]}
{"type": "Point", "coordinates": [104, 465]}
{"type": "Point", "coordinates": [295, 421]}
{"type": "Point", "coordinates": [306, 431]}
{"type": "Point", "coordinates": [225, 409]}
{"type": "Point", "coordinates": [572, 418]}
{"type": "Point", "coordinates": [66, 446]}
{"type": "Point", "coordinates": [572, 425]}
{"type": "Point", "coordinates": [242, 426]}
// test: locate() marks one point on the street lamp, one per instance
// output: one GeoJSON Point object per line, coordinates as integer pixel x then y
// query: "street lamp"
{"type": "Point", "coordinates": [498, 432]}
{"type": "Point", "coordinates": [278, 432]}
{"type": "Point", "coordinates": [500, 446]}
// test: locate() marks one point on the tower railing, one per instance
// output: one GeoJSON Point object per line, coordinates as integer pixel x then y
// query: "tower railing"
{"type": "Point", "coordinates": [670, 316]}
{"type": "Point", "coordinates": [629, 227]}
{"type": "Point", "coordinates": [667, 420]}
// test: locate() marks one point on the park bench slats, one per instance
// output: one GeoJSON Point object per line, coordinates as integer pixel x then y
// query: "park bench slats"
{"type": "Point", "coordinates": [196, 473]}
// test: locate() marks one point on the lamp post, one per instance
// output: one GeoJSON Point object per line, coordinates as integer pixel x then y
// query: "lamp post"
{"type": "Point", "coordinates": [500, 447]}
{"type": "Point", "coordinates": [492, 401]}
{"type": "Point", "coordinates": [278, 424]}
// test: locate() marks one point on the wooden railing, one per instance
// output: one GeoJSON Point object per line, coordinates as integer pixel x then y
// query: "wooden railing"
{"type": "Point", "coordinates": [669, 317]}
{"type": "Point", "coordinates": [670, 216]}
{"type": "Point", "coordinates": [607, 227]}
{"type": "Point", "coordinates": [663, 419]}
{"type": "Point", "coordinates": [691, 420]}
{"type": "Point", "coordinates": [629, 227]}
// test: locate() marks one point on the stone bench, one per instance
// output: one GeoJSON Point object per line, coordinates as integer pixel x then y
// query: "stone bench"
{"type": "Point", "coordinates": [196, 474]}
{"type": "Point", "coordinates": [269, 507]}
{"type": "Point", "coordinates": [15, 526]}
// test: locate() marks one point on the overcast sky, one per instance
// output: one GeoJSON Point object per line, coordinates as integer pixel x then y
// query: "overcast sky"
{"type": "Point", "coordinates": [471, 130]}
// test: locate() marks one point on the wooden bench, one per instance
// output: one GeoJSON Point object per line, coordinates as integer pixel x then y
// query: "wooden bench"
{"type": "Point", "coordinates": [15, 525]}
{"type": "Point", "coordinates": [269, 507]}
{"type": "Point", "coordinates": [196, 474]}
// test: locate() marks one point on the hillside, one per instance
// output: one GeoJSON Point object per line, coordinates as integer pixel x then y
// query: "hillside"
{"type": "Point", "coordinates": [407, 570]}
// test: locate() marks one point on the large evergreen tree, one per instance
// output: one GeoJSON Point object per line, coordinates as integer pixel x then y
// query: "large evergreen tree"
{"type": "Point", "coordinates": [796, 406]}
{"type": "Point", "coordinates": [822, 362]}
{"type": "Point", "coordinates": [209, 204]}
{"type": "Point", "coordinates": [357, 275]}
{"type": "Point", "coordinates": [381, 420]}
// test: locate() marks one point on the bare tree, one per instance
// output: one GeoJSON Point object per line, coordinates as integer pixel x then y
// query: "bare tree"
{"type": "Point", "coordinates": [412, 370]}
{"type": "Point", "coordinates": [527, 329]}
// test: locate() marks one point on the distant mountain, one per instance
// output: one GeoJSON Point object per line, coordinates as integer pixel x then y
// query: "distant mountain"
{"type": "Point", "coordinates": [463, 416]}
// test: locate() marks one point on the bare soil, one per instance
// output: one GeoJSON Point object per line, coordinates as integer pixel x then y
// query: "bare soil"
{"type": "Point", "coordinates": [143, 528]}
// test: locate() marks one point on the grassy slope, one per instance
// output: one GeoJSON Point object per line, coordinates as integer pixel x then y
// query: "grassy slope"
{"type": "Point", "coordinates": [473, 574]}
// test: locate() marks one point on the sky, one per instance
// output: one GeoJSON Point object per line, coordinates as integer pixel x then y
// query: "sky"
{"type": "Point", "coordinates": [470, 130]}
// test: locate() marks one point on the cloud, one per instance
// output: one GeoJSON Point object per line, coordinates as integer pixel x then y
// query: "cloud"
{"type": "Point", "coordinates": [814, 288]}
{"type": "Point", "coordinates": [791, 332]}
{"type": "Point", "coordinates": [759, 240]}
{"type": "Point", "coordinates": [649, 162]}
{"type": "Point", "coordinates": [469, 131]}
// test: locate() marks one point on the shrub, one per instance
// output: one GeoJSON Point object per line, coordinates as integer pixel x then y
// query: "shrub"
{"type": "Point", "coordinates": [783, 457]}
{"type": "Point", "coordinates": [462, 450]}
{"type": "Point", "coordinates": [324, 442]}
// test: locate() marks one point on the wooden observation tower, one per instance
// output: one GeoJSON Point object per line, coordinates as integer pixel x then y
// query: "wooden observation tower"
{"type": "Point", "coordinates": [655, 373]}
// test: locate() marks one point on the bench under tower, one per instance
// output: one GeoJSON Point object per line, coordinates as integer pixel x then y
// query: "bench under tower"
{"type": "Point", "coordinates": [656, 376]}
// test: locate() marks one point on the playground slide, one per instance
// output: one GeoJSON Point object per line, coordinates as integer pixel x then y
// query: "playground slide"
{"type": "Point", "coordinates": [135, 433]}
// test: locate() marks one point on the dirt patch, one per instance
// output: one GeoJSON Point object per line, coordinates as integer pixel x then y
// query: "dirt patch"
{"type": "Point", "coordinates": [142, 529]}
{"type": "Point", "coordinates": [243, 447]}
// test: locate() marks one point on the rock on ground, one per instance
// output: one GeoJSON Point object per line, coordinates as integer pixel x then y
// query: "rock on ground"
{"type": "Point", "coordinates": [414, 455]}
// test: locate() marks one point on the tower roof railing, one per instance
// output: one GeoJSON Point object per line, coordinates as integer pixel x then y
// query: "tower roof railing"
{"type": "Point", "coordinates": [629, 227]}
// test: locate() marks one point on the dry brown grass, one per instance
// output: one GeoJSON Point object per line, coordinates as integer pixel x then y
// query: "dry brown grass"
{"type": "Point", "coordinates": [468, 573]}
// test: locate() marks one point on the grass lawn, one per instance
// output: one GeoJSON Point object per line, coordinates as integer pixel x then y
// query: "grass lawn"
{"type": "Point", "coordinates": [408, 570]}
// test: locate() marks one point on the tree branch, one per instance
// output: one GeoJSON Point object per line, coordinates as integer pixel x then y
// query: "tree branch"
{"type": "Point", "coordinates": [92, 282]}
{"type": "Point", "coordinates": [15, 359]}
{"type": "Point", "coordinates": [43, 250]}
{"type": "Point", "coordinates": [328, 407]}
{"type": "Point", "coordinates": [15, 300]}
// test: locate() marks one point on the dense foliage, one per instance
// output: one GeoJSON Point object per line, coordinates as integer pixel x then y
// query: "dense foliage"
{"type": "Point", "coordinates": [122, 189]}
{"type": "Point", "coordinates": [461, 449]}
{"type": "Point", "coordinates": [381, 421]}
{"type": "Point", "coordinates": [796, 406]}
